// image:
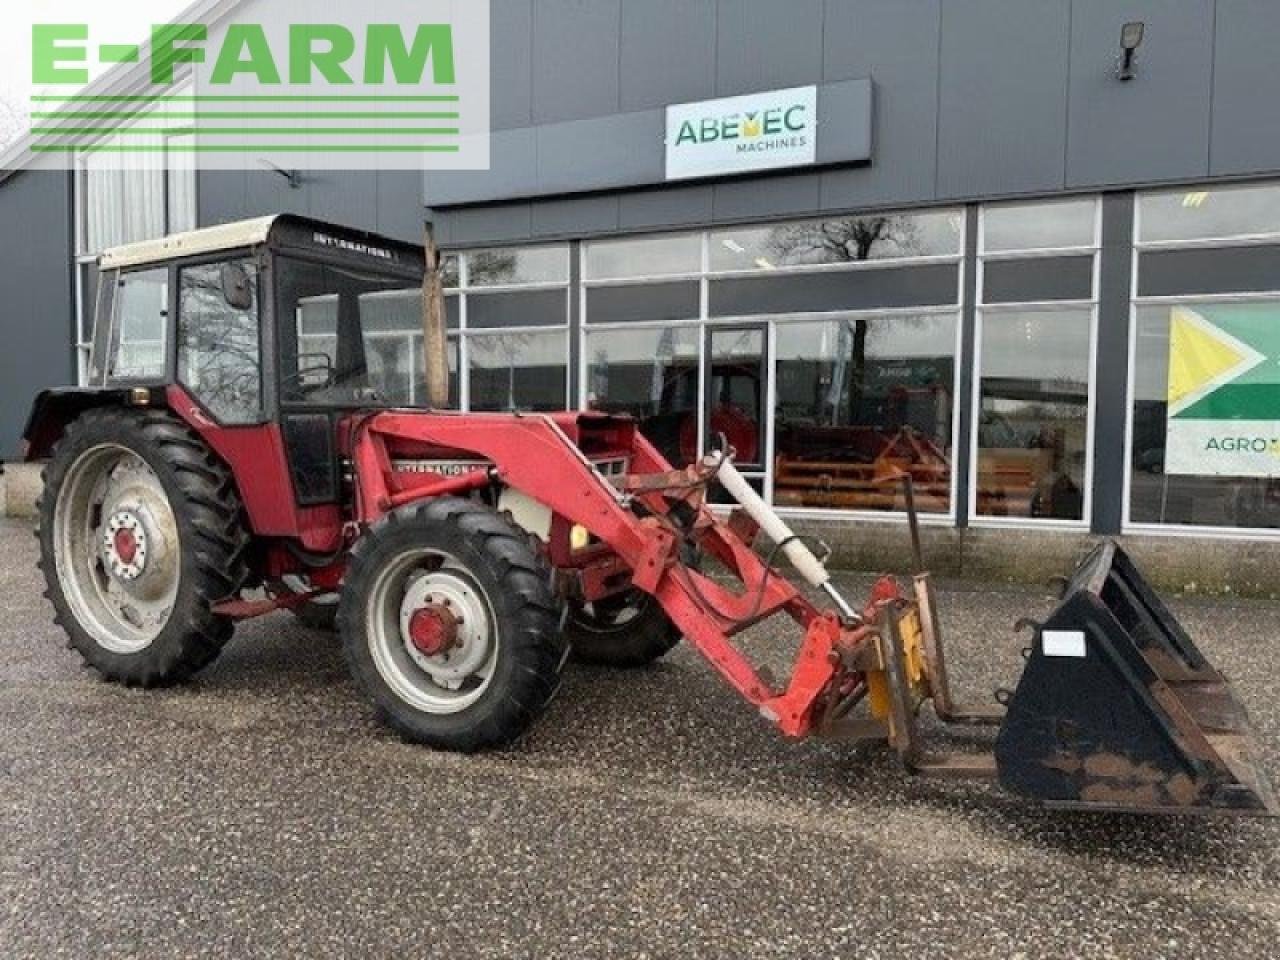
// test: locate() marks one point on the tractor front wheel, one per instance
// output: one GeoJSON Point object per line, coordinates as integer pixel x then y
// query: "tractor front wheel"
{"type": "Point", "coordinates": [449, 625]}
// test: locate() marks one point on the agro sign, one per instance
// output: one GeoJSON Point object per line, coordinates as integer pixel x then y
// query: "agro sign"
{"type": "Point", "coordinates": [1224, 392]}
{"type": "Point", "coordinates": [760, 131]}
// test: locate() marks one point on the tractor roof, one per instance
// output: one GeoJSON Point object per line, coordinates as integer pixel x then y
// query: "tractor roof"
{"type": "Point", "coordinates": [281, 229]}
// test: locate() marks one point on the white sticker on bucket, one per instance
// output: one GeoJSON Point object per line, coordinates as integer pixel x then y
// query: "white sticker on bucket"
{"type": "Point", "coordinates": [1063, 643]}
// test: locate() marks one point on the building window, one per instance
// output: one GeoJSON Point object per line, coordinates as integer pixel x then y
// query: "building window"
{"type": "Point", "coordinates": [1204, 436]}
{"type": "Point", "coordinates": [508, 313]}
{"type": "Point", "coordinates": [1033, 388]}
{"type": "Point", "coordinates": [859, 397]}
{"type": "Point", "coordinates": [821, 349]}
{"type": "Point", "coordinates": [125, 199]}
{"type": "Point", "coordinates": [518, 370]}
{"type": "Point", "coordinates": [639, 257]}
{"type": "Point", "coordinates": [837, 240]}
{"type": "Point", "coordinates": [651, 373]}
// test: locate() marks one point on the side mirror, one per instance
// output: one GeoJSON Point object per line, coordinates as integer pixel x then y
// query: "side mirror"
{"type": "Point", "coordinates": [237, 287]}
{"type": "Point", "coordinates": [315, 371]}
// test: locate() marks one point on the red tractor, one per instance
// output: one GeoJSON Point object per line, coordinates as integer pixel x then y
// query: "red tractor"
{"type": "Point", "coordinates": [250, 442]}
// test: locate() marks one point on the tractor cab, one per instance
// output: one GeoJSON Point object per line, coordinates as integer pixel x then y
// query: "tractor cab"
{"type": "Point", "coordinates": [265, 316]}
{"type": "Point", "coordinates": [267, 335]}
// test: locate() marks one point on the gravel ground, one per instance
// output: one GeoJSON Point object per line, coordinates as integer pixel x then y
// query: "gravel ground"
{"type": "Point", "coordinates": [262, 812]}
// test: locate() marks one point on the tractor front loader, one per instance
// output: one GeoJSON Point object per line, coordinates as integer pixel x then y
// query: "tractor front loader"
{"type": "Point", "coordinates": [468, 554]}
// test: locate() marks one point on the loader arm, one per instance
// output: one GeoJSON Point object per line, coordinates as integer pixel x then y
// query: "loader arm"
{"type": "Point", "coordinates": [1116, 710]}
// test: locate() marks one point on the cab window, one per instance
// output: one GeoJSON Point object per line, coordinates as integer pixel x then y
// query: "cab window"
{"type": "Point", "coordinates": [348, 336]}
{"type": "Point", "coordinates": [219, 348]}
{"type": "Point", "coordinates": [139, 328]}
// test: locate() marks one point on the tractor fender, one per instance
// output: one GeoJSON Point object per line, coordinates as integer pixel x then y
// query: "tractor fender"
{"type": "Point", "coordinates": [52, 410]}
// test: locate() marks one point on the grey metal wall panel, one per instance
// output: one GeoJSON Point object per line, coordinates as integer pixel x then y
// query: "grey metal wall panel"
{"type": "Point", "coordinates": [501, 223]}
{"type": "Point", "coordinates": [670, 207]}
{"type": "Point", "coordinates": [765, 46]}
{"type": "Point", "coordinates": [400, 205]}
{"type": "Point", "coordinates": [1156, 126]}
{"type": "Point", "coordinates": [1040, 278]}
{"type": "Point", "coordinates": [782, 195]}
{"type": "Point", "coordinates": [896, 44]}
{"type": "Point", "coordinates": [510, 64]}
{"type": "Point", "coordinates": [387, 202]}
{"type": "Point", "coordinates": [601, 153]}
{"type": "Point", "coordinates": [1002, 82]}
{"type": "Point", "coordinates": [220, 196]}
{"type": "Point", "coordinates": [575, 217]}
{"type": "Point", "coordinates": [513, 172]}
{"type": "Point", "coordinates": [1246, 127]}
{"type": "Point", "coordinates": [348, 197]}
{"type": "Point", "coordinates": [575, 59]}
{"type": "Point", "coordinates": [36, 307]}
{"type": "Point", "coordinates": [668, 52]}
{"type": "Point", "coordinates": [267, 192]}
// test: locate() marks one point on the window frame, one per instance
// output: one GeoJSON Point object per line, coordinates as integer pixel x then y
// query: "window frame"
{"type": "Point", "coordinates": [464, 291]}
{"type": "Point", "coordinates": [980, 310]}
{"type": "Point", "coordinates": [1136, 302]}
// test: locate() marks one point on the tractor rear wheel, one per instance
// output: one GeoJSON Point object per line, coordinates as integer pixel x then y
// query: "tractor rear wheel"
{"type": "Point", "coordinates": [449, 625]}
{"type": "Point", "coordinates": [630, 630]}
{"type": "Point", "coordinates": [141, 533]}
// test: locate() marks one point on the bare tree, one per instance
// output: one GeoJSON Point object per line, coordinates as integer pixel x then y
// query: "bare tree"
{"type": "Point", "coordinates": [847, 240]}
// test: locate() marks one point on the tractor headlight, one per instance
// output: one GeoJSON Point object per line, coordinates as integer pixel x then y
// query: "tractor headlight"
{"type": "Point", "coordinates": [579, 537]}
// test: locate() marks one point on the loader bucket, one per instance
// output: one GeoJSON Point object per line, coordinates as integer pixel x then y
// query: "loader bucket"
{"type": "Point", "coordinates": [1117, 709]}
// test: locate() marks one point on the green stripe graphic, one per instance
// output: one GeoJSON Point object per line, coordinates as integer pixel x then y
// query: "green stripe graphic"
{"type": "Point", "coordinates": [244, 98]}
{"type": "Point", "coordinates": [239, 115]}
{"type": "Point", "coordinates": [248, 131]}
{"type": "Point", "coordinates": [238, 148]}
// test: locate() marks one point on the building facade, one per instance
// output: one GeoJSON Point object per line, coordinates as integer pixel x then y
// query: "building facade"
{"type": "Point", "coordinates": [1000, 265]}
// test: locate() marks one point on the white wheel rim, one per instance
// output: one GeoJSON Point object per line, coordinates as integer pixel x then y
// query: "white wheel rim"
{"type": "Point", "coordinates": [445, 683]}
{"type": "Point", "coordinates": [116, 548]}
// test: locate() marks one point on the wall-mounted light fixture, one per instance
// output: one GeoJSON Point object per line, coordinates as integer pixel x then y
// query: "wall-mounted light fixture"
{"type": "Point", "coordinates": [1130, 40]}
